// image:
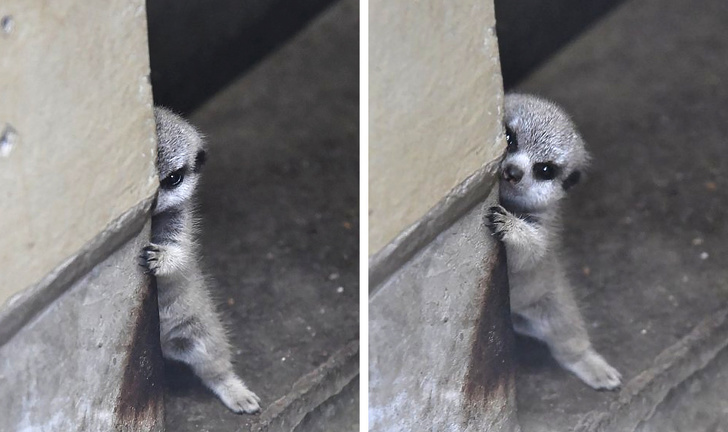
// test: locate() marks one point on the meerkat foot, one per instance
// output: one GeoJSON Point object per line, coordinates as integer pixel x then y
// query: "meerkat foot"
{"type": "Point", "coordinates": [498, 220]}
{"type": "Point", "coordinates": [236, 396]}
{"type": "Point", "coordinates": [595, 371]}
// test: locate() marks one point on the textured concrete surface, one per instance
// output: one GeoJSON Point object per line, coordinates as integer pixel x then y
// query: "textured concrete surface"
{"type": "Point", "coordinates": [91, 360]}
{"type": "Point", "coordinates": [645, 232]}
{"type": "Point", "coordinates": [279, 202]}
{"type": "Point", "coordinates": [440, 342]}
{"type": "Point", "coordinates": [450, 208]}
{"type": "Point", "coordinates": [340, 413]}
{"type": "Point", "coordinates": [25, 305]}
{"type": "Point", "coordinates": [435, 106]}
{"type": "Point", "coordinates": [698, 404]}
{"type": "Point", "coordinates": [74, 79]}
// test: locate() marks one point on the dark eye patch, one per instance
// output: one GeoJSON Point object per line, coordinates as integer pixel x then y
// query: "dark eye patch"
{"type": "Point", "coordinates": [545, 170]}
{"type": "Point", "coordinates": [200, 160]}
{"type": "Point", "coordinates": [512, 140]}
{"type": "Point", "coordinates": [174, 179]}
{"type": "Point", "coordinates": [571, 180]}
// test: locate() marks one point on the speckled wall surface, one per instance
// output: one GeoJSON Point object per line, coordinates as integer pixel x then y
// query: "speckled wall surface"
{"type": "Point", "coordinates": [74, 80]}
{"type": "Point", "coordinates": [435, 96]}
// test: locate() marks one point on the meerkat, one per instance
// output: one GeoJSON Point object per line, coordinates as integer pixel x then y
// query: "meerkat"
{"type": "Point", "coordinates": [190, 328]}
{"type": "Point", "coordinates": [544, 158]}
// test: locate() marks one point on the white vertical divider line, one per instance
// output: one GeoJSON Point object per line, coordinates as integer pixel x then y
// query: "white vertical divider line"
{"type": "Point", "coordinates": [363, 214]}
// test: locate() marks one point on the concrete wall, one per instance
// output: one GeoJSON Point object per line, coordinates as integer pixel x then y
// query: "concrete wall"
{"type": "Point", "coordinates": [91, 361]}
{"type": "Point", "coordinates": [75, 89]}
{"type": "Point", "coordinates": [435, 96]}
{"type": "Point", "coordinates": [440, 337]}
{"type": "Point", "coordinates": [79, 322]}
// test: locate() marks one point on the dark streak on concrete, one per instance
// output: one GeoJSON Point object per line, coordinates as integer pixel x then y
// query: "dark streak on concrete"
{"type": "Point", "coordinates": [491, 360]}
{"type": "Point", "coordinates": [141, 394]}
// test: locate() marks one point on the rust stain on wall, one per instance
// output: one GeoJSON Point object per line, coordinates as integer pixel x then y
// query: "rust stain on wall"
{"type": "Point", "coordinates": [490, 371]}
{"type": "Point", "coordinates": [141, 397]}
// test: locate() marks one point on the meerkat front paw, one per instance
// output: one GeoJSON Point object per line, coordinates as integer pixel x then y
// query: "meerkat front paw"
{"type": "Point", "coordinates": [153, 258]}
{"type": "Point", "coordinates": [150, 258]}
{"type": "Point", "coordinates": [596, 372]}
{"type": "Point", "coordinates": [236, 396]}
{"type": "Point", "coordinates": [499, 221]}
{"type": "Point", "coordinates": [164, 260]}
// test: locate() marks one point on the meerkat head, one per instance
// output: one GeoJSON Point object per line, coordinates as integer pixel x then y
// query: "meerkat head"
{"type": "Point", "coordinates": [180, 155]}
{"type": "Point", "coordinates": [544, 158]}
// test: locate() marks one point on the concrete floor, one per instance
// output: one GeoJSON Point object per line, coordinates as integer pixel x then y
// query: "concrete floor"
{"type": "Point", "coordinates": [340, 413]}
{"type": "Point", "coordinates": [279, 202]}
{"type": "Point", "coordinates": [698, 404]}
{"type": "Point", "coordinates": [645, 232]}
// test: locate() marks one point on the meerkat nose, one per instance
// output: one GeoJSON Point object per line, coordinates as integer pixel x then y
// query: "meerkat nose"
{"type": "Point", "coordinates": [512, 174]}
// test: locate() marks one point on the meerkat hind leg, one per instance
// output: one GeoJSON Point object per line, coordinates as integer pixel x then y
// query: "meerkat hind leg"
{"type": "Point", "coordinates": [556, 321]}
{"type": "Point", "coordinates": [231, 390]}
{"type": "Point", "coordinates": [200, 347]}
{"type": "Point", "coordinates": [522, 326]}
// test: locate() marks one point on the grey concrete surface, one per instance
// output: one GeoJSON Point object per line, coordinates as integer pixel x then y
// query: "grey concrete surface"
{"type": "Point", "coordinates": [279, 202]}
{"type": "Point", "coordinates": [449, 209]}
{"type": "Point", "coordinates": [698, 404]}
{"type": "Point", "coordinates": [24, 306]}
{"type": "Point", "coordinates": [440, 339]}
{"type": "Point", "coordinates": [645, 233]}
{"type": "Point", "coordinates": [91, 360]}
{"type": "Point", "coordinates": [340, 413]}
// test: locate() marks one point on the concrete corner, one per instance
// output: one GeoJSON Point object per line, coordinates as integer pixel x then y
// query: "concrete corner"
{"type": "Point", "coordinates": [83, 365]}
{"type": "Point", "coordinates": [441, 340]}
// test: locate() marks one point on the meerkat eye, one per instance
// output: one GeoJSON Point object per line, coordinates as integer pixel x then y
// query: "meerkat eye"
{"type": "Point", "coordinates": [544, 171]}
{"type": "Point", "coordinates": [173, 180]}
{"type": "Point", "coordinates": [511, 140]}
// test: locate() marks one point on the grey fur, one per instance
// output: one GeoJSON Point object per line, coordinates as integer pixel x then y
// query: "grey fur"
{"type": "Point", "coordinates": [528, 222]}
{"type": "Point", "coordinates": [190, 327]}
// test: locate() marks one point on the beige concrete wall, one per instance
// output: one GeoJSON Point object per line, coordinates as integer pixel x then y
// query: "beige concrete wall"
{"type": "Point", "coordinates": [74, 85]}
{"type": "Point", "coordinates": [435, 98]}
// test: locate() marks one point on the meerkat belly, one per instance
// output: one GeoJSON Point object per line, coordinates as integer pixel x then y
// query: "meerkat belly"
{"type": "Point", "coordinates": [179, 302]}
{"type": "Point", "coordinates": [170, 304]}
{"type": "Point", "coordinates": [529, 286]}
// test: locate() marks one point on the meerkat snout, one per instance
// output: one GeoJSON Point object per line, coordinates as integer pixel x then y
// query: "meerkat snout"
{"type": "Point", "coordinates": [512, 173]}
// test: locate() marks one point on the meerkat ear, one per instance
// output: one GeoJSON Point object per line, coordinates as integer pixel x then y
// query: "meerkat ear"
{"type": "Point", "coordinates": [571, 180]}
{"type": "Point", "coordinates": [200, 160]}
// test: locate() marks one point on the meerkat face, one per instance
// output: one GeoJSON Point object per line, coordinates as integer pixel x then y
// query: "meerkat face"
{"type": "Point", "coordinates": [180, 155]}
{"type": "Point", "coordinates": [544, 158]}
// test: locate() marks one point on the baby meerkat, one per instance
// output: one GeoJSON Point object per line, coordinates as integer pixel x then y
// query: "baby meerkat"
{"type": "Point", "coordinates": [544, 159]}
{"type": "Point", "coordinates": [190, 327]}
